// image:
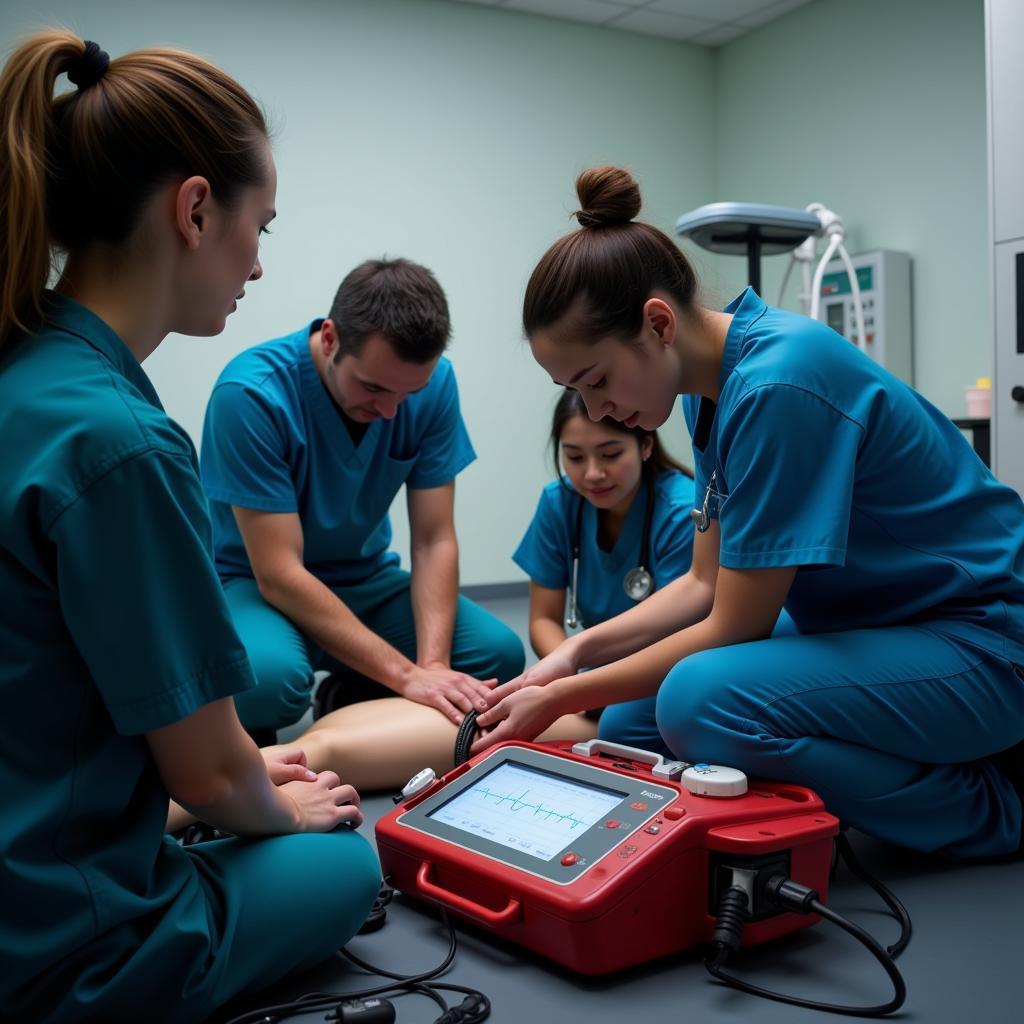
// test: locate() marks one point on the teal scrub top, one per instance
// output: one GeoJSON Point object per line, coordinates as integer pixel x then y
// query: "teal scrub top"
{"type": "Point", "coordinates": [825, 461]}
{"type": "Point", "coordinates": [113, 623]}
{"type": "Point", "coordinates": [274, 441]}
{"type": "Point", "coordinates": [545, 552]}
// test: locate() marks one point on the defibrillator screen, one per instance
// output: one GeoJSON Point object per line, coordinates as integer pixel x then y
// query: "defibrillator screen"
{"type": "Point", "coordinates": [532, 811]}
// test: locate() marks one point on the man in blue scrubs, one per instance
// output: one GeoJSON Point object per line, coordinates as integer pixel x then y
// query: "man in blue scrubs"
{"type": "Point", "coordinates": [307, 441]}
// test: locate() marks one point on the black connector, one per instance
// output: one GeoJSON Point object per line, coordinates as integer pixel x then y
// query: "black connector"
{"type": "Point", "coordinates": [790, 895]}
{"type": "Point", "coordinates": [364, 1011]}
{"type": "Point", "coordinates": [751, 873]}
{"type": "Point", "coordinates": [472, 1009]}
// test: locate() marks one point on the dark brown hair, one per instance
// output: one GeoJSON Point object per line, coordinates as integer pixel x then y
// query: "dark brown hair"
{"type": "Point", "coordinates": [603, 273]}
{"type": "Point", "coordinates": [398, 299]}
{"type": "Point", "coordinates": [76, 169]}
{"type": "Point", "coordinates": [571, 405]}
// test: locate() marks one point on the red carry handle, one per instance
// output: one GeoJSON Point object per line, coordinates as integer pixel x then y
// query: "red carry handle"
{"type": "Point", "coordinates": [461, 904]}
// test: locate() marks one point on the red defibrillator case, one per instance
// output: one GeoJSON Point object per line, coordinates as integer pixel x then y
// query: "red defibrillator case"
{"type": "Point", "coordinates": [598, 856]}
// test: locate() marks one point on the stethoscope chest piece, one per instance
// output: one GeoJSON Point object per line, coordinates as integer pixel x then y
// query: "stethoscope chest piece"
{"type": "Point", "coordinates": [638, 583]}
{"type": "Point", "coordinates": [702, 516]}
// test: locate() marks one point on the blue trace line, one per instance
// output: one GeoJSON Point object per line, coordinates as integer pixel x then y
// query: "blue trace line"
{"type": "Point", "coordinates": [518, 803]}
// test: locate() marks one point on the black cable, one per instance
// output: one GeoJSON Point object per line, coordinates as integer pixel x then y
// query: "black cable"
{"type": "Point", "coordinates": [464, 738]}
{"type": "Point", "coordinates": [475, 1008]}
{"type": "Point", "coordinates": [800, 899]}
{"type": "Point", "coordinates": [899, 911]}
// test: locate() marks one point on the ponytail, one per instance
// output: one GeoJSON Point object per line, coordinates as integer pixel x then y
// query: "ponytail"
{"type": "Point", "coordinates": [26, 99]}
{"type": "Point", "coordinates": [77, 169]}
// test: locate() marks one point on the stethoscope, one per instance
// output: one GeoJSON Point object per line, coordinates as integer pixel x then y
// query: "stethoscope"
{"type": "Point", "coordinates": [702, 516]}
{"type": "Point", "coordinates": [638, 582]}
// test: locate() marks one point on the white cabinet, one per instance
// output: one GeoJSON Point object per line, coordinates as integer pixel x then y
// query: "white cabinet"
{"type": "Point", "coordinates": [1004, 30]}
{"type": "Point", "coordinates": [1008, 393]}
{"type": "Point", "coordinates": [1004, 55]}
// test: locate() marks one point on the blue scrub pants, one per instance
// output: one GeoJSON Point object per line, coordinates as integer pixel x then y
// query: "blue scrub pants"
{"type": "Point", "coordinates": [284, 660]}
{"type": "Point", "coordinates": [892, 727]}
{"type": "Point", "coordinates": [249, 912]}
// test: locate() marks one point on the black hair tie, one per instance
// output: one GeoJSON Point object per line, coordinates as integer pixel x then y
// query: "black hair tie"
{"type": "Point", "coordinates": [88, 67]}
{"type": "Point", "coordinates": [589, 220]}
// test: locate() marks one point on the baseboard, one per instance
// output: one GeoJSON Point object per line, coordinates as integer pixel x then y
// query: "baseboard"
{"type": "Point", "coordinates": [496, 591]}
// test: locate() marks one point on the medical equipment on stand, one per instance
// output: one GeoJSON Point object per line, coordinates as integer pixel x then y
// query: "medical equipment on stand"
{"type": "Point", "coordinates": [638, 582]}
{"type": "Point", "coordinates": [878, 323]}
{"type": "Point", "coordinates": [883, 280]}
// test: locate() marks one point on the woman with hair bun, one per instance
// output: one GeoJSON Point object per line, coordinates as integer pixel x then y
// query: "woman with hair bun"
{"type": "Point", "coordinates": [151, 180]}
{"type": "Point", "coordinates": [824, 485]}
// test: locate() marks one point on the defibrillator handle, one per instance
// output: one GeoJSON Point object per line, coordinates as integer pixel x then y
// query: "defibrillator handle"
{"type": "Point", "coordinates": [461, 904]}
{"type": "Point", "coordinates": [659, 766]}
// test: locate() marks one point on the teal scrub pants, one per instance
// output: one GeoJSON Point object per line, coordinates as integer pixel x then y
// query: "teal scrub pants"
{"type": "Point", "coordinates": [284, 660]}
{"type": "Point", "coordinates": [894, 728]}
{"type": "Point", "coordinates": [247, 912]}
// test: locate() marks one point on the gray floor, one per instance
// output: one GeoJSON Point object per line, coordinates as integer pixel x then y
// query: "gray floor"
{"type": "Point", "coordinates": [965, 964]}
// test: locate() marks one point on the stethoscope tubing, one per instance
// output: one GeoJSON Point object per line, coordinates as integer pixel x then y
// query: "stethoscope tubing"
{"type": "Point", "coordinates": [572, 619]}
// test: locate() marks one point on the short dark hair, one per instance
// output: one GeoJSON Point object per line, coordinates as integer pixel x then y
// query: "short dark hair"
{"type": "Point", "coordinates": [398, 299]}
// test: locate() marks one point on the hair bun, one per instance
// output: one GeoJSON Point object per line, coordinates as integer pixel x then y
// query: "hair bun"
{"type": "Point", "coordinates": [608, 196]}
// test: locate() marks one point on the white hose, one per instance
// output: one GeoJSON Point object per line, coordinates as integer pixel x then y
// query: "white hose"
{"type": "Point", "coordinates": [833, 244]}
{"type": "Point", "coordinates": [858, 304]}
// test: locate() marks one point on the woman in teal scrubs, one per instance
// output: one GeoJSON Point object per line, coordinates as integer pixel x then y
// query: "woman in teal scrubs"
{"type": "Point", "coordinates": [118, 660]}
{"type": "Point", "coordinates": [824, 485]}
{"type": "Point", "coordinates": [622, 505]}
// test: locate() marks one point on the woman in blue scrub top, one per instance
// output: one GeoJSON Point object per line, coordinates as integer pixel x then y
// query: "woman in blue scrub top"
{"type": "Point", "coordinates": [623, 505]}
{"type": "Point", "coordinates": [824, 485]}
{"type": "Point", "coordinates": [118, 660]}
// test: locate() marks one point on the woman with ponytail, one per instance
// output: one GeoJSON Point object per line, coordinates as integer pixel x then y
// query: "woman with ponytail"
{"type": "Point", "coordinates": [146, 186]}
{"type": "Point", "coordinates": [824, 485]}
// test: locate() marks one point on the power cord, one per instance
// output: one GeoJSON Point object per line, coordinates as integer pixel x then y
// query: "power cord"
{"type": "Point", "coordinates": [371, 1004]}
{"type": "Point", "coordinates": [734, 910]}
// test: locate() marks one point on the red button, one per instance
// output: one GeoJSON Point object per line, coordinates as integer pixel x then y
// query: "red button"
{"type": "Point", "coordinates": [569, 859]}
{"type": "Point", "coordinates": [639, 806]}
{"type": "Point", "coordinates": [611, 823]}
{"type": "Point", "coordinates": [675, 813]}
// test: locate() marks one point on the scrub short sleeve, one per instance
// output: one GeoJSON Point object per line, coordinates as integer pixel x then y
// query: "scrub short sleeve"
{"type": "Point", "coordinates": [140, 596]}
{"type": "Point", "coordinates": [244, 459]}
{"type": "Point", "coordinates": [445, 449]}
{"type": "Point", "coordinates": [789, 460]}
{"type": "Point", "coordinates": [545, 552]}
{"type": "Point", "coordinates": [672, 546]}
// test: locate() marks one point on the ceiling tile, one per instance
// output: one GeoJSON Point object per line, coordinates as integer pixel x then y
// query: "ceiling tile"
{"type": "Point", "coordinates": [711, 10]}
{"type": "Point", "coordinates": [594, 12]}
{"type": "Point", "coordinates": [656, 23]}
{"type": "Point", "coordinates": [771, 12]}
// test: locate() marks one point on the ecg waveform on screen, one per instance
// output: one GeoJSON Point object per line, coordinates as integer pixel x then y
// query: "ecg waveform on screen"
{"type": "Point", "coordinates": [526, 810]}
{"type": "Point", "coordinates": [519, 803]}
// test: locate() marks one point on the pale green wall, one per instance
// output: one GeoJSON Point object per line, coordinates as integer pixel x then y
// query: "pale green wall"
{"type": "Point", "coordinates": [452, 133]}
{"type": "Point", "coordinates": [877, 109]}
{"type": "Point", "coordinates": [444, 132]}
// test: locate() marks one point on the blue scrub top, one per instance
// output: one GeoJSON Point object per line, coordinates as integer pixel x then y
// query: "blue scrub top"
{"type": "Point", "coordinates": [274, 441]}
{"type": "Point", "coordinates": [545, 552]}
{"type": "Point", "coordinates": [113, 622]}
{"type": "Point", "coordinates": [826, 461]}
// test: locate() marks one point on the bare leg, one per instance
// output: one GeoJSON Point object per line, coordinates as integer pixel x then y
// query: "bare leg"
{"type": "Point", "coordinates": [381, 744]}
